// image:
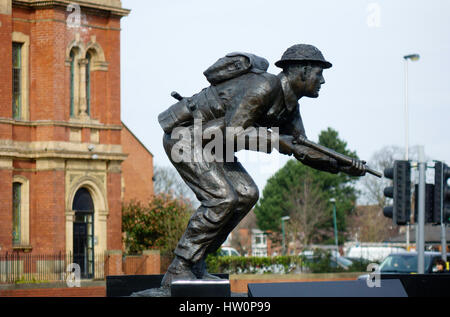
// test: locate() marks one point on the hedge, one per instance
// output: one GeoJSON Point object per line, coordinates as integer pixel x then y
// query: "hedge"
{"type": "Point", "coordinates": [251, 265]}
{"type": "Point", "coordinates": [321, 263]}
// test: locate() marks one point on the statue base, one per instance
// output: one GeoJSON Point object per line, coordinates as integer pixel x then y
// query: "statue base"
{"type": "Point", "coordinates": [150, 286]}
{"type": "Point", "coordinates": [201, 288]}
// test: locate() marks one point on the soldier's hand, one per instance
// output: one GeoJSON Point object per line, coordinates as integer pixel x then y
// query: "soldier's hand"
{"type": "Point", "coordinates": [357, 168]}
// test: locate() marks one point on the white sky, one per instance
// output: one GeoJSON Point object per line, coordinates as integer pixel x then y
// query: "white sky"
{"type": "Point", "coordinates": [167, 44]}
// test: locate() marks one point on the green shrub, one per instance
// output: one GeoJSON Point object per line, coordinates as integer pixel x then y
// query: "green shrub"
{"type": "Point", "coordinates": [320, 262]}
{"type": "Point", "coordinates": [252, 264]}
{"type": "Point", "coordinates": [24, 280]}
{"type": "Point", "coordinates": [360, 265]}
{"type": "Point", "coordinates": [158, 224]}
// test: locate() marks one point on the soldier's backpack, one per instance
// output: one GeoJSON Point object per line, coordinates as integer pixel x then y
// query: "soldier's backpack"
{"type": "Point", "coordinates": [234, 65]}
{"type": "Point", "coordinates": [206, 103]}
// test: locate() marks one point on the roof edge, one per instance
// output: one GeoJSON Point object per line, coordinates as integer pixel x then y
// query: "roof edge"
{"type": "Point", "coordinates": [116, 10]}
{"type": "Point", "coordinates": [137, 139]}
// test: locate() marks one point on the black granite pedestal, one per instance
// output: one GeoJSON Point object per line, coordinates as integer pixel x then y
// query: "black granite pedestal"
{"type": "Point", "coordinates": [149, 286]}
{"type": "Point", "coordinates": [359, 288]}
{"type": "Point", "coordinates": [200, 288]}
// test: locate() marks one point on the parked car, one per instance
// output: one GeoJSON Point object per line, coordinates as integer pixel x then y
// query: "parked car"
{"type": "Point", "coordinates": [228, 251]}
{"type": "Point", "coordinates": [372, 253]}
{"type": "Point", "coordinates": [406, 263]}
{"type": "Point", "coordinates": [336, 260]}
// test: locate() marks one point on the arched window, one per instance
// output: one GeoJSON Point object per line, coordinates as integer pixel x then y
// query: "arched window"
{"type": "Point", "coordinates": [83, 201]}
{"type": "Point", "coordinates": [76, 63]}
{"type": "Point", "coordinates": [72, 83]}
{"type": "Point", "coordinates": [84, 61]}
{"type": "Point", "coordinates": [88, 82]}
{"type": "Point", "coordinates": [83, 232]}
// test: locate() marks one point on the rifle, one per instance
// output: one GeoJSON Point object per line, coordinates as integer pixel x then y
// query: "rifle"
{"type": "Point", "coordinates": [341, 158]}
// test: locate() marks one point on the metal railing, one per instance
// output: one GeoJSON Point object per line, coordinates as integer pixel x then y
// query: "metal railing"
{"type": "Point", "coordinates": [39, 268]}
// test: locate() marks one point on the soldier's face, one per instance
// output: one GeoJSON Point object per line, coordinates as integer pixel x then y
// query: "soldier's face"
{"type": "Point", "coordinates": [306, 80]}
{"type": "Point", "coordinates": [313, 82]}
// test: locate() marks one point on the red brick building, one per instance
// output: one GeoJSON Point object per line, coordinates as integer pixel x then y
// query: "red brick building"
{"type": "Point", "coordinates": [137, 169]}
{"type": "Point", "coordinates": [66, 159]}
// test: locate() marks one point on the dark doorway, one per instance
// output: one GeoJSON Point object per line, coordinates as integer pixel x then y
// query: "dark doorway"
{"type": "Point", "coordinates": [83, 233]}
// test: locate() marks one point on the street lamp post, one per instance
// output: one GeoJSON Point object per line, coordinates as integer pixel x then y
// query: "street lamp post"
{"type": "Point", "coordinates": [283, 219]}
{"type": "Point", "coordinates": [420, 242]}
{"type": "Point", "coordinates": [412, 57]}
{"type": "Point", "coordinates": [333, 201]}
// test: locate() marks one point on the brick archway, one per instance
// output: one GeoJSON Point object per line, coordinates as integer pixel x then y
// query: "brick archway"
{"type": "Point", "coordinates": [98, 195]}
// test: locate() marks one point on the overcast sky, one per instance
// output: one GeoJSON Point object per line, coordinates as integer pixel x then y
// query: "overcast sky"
{"type": "Point", "coordinates": [167, 44]}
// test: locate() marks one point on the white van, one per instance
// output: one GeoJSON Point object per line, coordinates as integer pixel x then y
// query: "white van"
{"type": "Point", "coordinates": [228, 251]}
{"type": "Point", "coordinates": [372, 253]}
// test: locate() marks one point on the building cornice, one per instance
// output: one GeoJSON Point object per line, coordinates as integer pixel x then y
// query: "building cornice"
{"type": "Point", "coordinates": [99, 27]}
{"type": "Point", "coordinates": [96, 5]}
{"type": "Point", "coordinates": [67, 124]}
{"type": "Point", "coordinates": [61, 150]}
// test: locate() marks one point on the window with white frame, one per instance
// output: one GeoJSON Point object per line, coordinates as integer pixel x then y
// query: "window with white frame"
{"type": "Point", "coordinates": [20, 211]}
{"type": "Point", "coordinates": [20, 48]}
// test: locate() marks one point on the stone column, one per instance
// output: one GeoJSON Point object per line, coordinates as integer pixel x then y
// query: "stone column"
{"type": "Point", "coordinates": [101, 230]}
{"type": "Point", "coordinates": [70, 215]}
{"type": "Point", "coordinates": [82, 94]}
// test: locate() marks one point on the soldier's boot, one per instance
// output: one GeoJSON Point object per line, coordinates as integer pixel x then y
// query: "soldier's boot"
{"type": "Point", "coordinates": [199, 270]}
{"type": "Point", "coordinates": [179, 269]}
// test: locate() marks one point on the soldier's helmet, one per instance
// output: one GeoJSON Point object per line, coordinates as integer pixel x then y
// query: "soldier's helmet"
{"type": "Point", "coordinates": [303, 53]}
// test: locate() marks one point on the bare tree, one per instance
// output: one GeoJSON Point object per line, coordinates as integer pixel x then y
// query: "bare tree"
{"type": "Point", "coordinates": [241, 238]}
{"type": "Point", "coordinates": [372, 187]}
{"type": "Point", "coordinates": [167, 180]}
{"type": "Point", "coordinates": [367, 224]}
{"type": "Point", "coordinates": [307, 212]}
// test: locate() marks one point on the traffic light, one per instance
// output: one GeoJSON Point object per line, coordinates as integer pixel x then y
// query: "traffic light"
{"type": "Point", "coordinates": [441, 193]}
{"type": "Point", "coordinates": [388, 211]}
{"type": "Point", "coordinates": [429, 204]}
{"type": "Point", "coordinates": [400, 192]}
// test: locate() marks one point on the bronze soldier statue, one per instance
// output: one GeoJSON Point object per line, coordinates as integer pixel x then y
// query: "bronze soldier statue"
{"type": "Point", "coordinates": [243, 94]}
